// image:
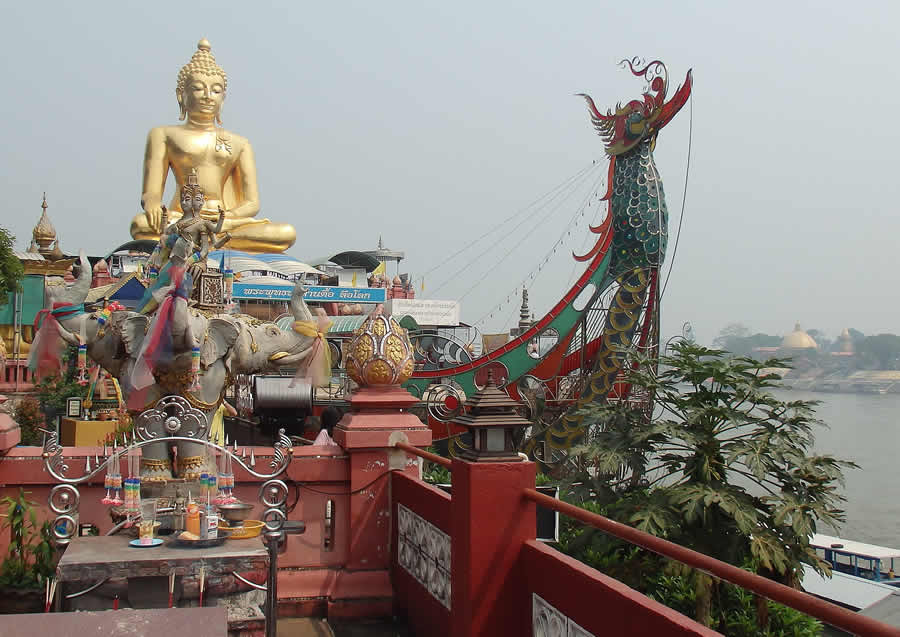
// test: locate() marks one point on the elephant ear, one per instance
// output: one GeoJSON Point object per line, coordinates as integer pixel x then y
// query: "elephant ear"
{"type": "Point", "coordinates": [133, 329]}
{"type": "Point", "coordinates": [220, 337]}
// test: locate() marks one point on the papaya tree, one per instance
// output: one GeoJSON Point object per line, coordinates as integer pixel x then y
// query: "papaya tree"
{"type": "Point", "coordinates": [722, 466]}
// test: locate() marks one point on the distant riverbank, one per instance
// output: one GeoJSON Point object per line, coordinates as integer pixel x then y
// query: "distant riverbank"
{"type": "Point", "coordinates": [859, 382]}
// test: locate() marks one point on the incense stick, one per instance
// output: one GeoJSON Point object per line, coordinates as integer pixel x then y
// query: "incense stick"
{"type": "Point", "coordinates": [171, 588]}
{"type": "Point", "coordinates": [51, 595]}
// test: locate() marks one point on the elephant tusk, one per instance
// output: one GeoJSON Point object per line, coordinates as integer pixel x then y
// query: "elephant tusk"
{"type": "Point", "coordinates": [277, 356]}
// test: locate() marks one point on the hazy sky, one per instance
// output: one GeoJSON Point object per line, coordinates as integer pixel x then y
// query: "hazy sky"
{"type": "Point", "coordinates": [428, 123]}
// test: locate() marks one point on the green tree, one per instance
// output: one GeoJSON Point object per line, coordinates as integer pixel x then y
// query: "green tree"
{"type": "Point", "coordinates": [724, 467]}
{"type": "Point", "coordinates": [737, 339]}
{"type": "Point", "coordinates": [731, 336]}
{"type": "Point", "coordinates": [11, 271]}
{"type": "Point", "coordinates": [884, 348]}
{"type": "Point", "coordinates": [825, 344]}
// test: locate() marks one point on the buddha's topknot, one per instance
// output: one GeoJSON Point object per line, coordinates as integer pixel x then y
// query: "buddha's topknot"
{"type": "Point", "coordinates": [201, 62]}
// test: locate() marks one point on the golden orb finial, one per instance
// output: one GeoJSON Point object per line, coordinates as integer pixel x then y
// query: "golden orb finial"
{"type": "Point", "coordinates": [204, 45]}
{"type": "Point", "coordinates": [380, 353]}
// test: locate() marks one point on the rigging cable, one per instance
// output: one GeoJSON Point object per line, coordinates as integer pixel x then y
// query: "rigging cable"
{"type": "Point", "coordinates": [601, 203]}
{"type": "Point", "coordinates": [566, 229]}
{"type": "Point", "coordinates": [539, 268]}
{"type": "Point", "coordinates": [687, 171]}
{"type": "Point", "coordinates": [533, 274]}
{"type": "Point", "coordinates": [501, 224]}
{"type": "Point", "coordinates": [491, 248]}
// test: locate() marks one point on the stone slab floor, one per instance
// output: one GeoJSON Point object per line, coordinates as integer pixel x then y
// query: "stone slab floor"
{"type": "Point", "coordinates": [314, 627]}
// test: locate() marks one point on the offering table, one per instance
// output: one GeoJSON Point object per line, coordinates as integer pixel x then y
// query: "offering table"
{"type": "Point", "coordinates": [89, 560]}
{"type": "Point", "coordinates": [85, 433]}
{"type": "Point", "coordinates": [198, 622]}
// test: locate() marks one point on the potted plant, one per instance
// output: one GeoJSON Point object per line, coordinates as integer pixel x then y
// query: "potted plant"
{"type": "Point", "coordinates": [31, 558]}
{"type": "Point", "coordinates": [27, 413]}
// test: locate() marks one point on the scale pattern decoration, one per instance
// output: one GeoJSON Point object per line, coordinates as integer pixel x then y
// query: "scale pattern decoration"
{"type": "Point", "coordinates": [620, 326]}
{"type": "Point", "coordinates": [637, 210]}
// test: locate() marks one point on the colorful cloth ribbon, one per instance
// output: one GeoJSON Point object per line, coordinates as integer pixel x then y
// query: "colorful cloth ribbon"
{"type": "Point", "coordinates": [318, 363]}
{"type": "Point", "coordinates": [45, 358]}
{"type": "Point", "coordinates": [174, 282]}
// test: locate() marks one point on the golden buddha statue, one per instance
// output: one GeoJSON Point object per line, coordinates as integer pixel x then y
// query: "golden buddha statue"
{"type": "Point", "coordinates": [226, 169]}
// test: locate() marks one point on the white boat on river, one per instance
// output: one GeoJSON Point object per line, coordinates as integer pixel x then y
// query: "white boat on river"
{"type": "Point", "coordinates": [864, 577]}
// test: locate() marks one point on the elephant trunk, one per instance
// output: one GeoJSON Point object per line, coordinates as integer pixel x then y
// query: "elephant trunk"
{"type": "Point", "coordinates": [76, 293]}
{"type": "Point", "coordinates": [298, 306]}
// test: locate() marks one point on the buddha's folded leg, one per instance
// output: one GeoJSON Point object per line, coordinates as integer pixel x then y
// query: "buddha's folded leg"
{"type": "Point", "coordinates": [140, 229]}
{"type": "Point", "coordinates": [263, 237]}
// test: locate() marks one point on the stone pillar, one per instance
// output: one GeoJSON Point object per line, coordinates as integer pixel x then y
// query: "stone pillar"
{"type": "Point", "coordinates": [378, 418]}
{"type": "Point", "coordinates": [490, 521]}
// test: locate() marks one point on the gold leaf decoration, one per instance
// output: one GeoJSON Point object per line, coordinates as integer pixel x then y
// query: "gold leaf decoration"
{"type": "Point", "coordinates": [380, 352]}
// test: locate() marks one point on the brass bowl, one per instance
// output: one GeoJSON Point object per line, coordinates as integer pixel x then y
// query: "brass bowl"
{"type": "Point", "coordinates": [250, 528]}
{"type": "Point", "coordinates": [236, 512]}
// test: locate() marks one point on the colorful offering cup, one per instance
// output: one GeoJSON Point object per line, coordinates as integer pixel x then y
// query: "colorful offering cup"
{"type": "Point", "coordinates": [148, 520]}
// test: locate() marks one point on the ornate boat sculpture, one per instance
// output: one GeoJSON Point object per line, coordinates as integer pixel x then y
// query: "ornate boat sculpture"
{"type": "Point", "coordinates": [611, 307]}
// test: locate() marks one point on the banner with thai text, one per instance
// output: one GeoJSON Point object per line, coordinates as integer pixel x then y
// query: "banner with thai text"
{"type": "Point", "coordinates": [317, 293]}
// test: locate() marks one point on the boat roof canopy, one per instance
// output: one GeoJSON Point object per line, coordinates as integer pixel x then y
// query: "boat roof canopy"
{"type": "Point", "coordinates": [869, 551]}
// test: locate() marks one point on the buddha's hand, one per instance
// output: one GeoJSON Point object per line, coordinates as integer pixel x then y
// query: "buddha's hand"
{"type": "Point", "coordinates": [153, 210]}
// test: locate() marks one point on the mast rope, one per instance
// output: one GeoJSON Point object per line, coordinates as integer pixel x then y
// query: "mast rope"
{"type": "Point", "coordinates": [687, 172]}
{"type": "Point", "coordinates": [551, 194]}
{"type": "Point", "coordinates": [541, 263]}
{"type": "Point", "coordinates": [511, 235]}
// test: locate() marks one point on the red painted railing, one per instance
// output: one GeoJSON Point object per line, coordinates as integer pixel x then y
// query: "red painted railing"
{"type": "Point", "coordinates": [805, 603]}
{"type": "Point", "coordinates": [427, 455]}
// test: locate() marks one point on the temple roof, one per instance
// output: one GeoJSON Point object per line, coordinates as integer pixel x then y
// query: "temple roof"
{"type": "Point", "coordinates": [44, 230]}
{"type": "Point", "coordinates": [354, 259]}
{"type": "Point", "coordinates": [845, 342]}
{"type": "Point", "coordinates": [131, 281]}
{"type": "Point", "coordinates": [144, 246]}
{"type": "Point", "coordinates": [798, 339]}
{"type": "Point", "coordinates": [277, 264]}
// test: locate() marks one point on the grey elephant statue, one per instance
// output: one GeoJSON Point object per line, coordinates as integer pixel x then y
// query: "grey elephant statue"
{"type": "Point", "coordinates": [229, 345]}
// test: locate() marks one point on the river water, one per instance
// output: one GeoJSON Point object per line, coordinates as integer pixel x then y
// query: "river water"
{"type": "Point", "coordinates": [863, 428]}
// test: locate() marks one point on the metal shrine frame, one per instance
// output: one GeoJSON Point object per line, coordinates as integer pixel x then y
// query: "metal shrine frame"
{"type": "Point", "coordinates": [177, 416]}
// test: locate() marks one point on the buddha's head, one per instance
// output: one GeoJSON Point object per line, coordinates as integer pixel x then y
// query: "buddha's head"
{"type": "Point", "coordinates": [201, 85]}
{"type": "Point", "coordinates": [192, 197]}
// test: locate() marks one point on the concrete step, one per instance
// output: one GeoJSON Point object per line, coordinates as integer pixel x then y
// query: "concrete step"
{"type": "Point", "coordinates": [385, 628]}
{"type": "Point", "coordinates": [316, 627]}
{"type": "Point", "coordinates": [304, 627]}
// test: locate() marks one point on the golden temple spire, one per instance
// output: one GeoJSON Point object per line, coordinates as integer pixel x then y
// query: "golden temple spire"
{"type": "Point", "coordinates": [44, 234]}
